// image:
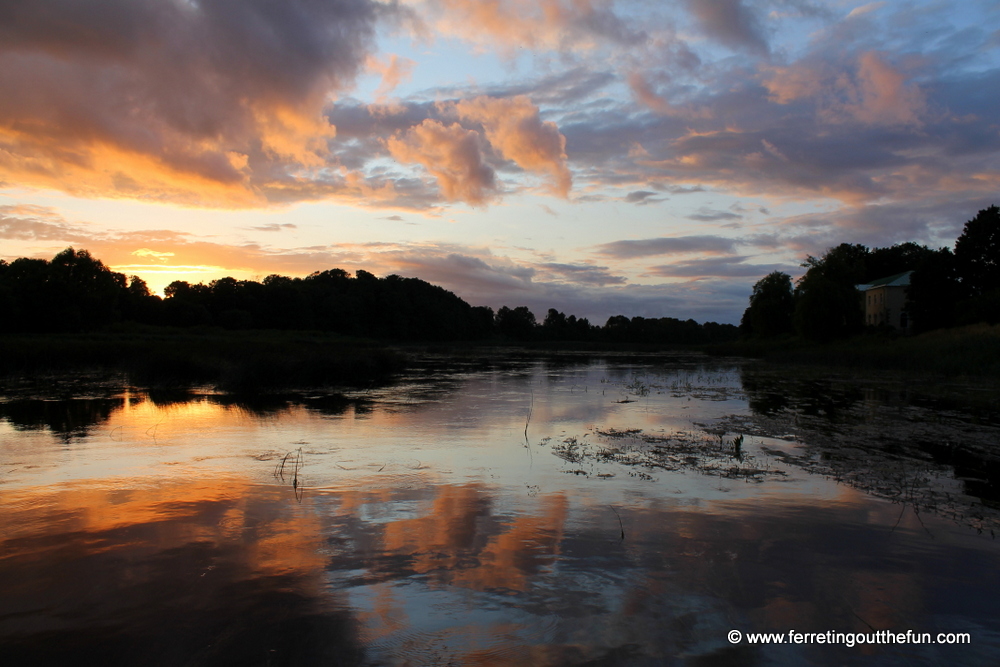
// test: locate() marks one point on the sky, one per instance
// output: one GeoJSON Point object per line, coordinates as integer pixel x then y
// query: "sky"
{"type": "Point", "coordinates": [600, 157]}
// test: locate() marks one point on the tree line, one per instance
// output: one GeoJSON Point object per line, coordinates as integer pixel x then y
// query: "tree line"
{"type": "Point", "coordinates": [947, 288]}
{"type": "Point", "coordinates": [76, 292]}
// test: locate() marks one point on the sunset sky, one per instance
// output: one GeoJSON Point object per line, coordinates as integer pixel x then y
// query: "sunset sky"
{"type": "Point", "coordinates": [600, 157]}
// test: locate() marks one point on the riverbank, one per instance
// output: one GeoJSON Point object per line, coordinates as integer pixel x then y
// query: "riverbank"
{"type": "Point", "coordinates": [971, 351]}
{"type": "Point", "coordinates": [231, 361]}
{"type": "Point", "coordinates": [268, 361]}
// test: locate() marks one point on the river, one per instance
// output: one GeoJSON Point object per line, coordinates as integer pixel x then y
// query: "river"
{"type": "Point", "coordinates": [509, 510]}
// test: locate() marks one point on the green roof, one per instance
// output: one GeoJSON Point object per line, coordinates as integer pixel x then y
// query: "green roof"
{"type": "Point", "coordinates": [897, 280]}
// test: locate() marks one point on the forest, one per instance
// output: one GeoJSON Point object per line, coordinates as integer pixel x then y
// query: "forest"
{"type": "Point", "coordinates": [76, 292]}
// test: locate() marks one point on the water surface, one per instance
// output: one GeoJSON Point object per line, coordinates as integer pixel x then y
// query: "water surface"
{"type": "Point", "coordinates": [558, 511]}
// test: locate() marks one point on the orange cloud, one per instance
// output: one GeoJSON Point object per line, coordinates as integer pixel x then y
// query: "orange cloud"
{"type": "Point", "coordinates": [442, 541]}
{"type": "Point", "coordinates": [532, 24]}
{"type": "Point", "coordinates": [874, 94]}
{"type": "Point", "coordinates": [146, 252]}
{"type": "Point", "coordinates": [514, 128]}
{"type": "Point", "coordinates": [452, 154]}
{"type": "Point", "coordinates": [879, 94]}
{"type": "Point", "coordinates": [396, 71]}
{"type": "Point", "coordinates": [178, 512]}
{"type": "Point", "coordinates": [202, 104]}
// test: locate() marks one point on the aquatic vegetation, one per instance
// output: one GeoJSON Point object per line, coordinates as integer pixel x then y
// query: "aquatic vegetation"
{"type": "Point", "coordinates": [676, 452]}
{"type": "Point", "coordinates": [915, 462]}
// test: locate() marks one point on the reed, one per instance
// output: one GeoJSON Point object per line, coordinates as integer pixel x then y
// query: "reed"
{"type": "Point", "coordinates": [620, 524]}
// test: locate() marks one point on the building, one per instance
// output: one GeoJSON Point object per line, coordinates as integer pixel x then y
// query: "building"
{"type": "Point", "coordinates": [884, 300]}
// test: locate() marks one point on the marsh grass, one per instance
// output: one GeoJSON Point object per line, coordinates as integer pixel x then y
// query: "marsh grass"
{"type": "Point", "coordinates": [705, 453]}
{"type": "Point", "coordinates": [937, 460]}
{"type": "Point", "coordinates": [234, 362]}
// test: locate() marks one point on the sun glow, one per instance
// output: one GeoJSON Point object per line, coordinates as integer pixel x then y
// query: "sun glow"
{"type": "Point", "coordinates": [158, 276]}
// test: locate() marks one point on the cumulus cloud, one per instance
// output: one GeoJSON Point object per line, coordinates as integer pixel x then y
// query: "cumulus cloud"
{"type": "Point", "coordinates": [461, 143]}
{"type": "Point", "coordinates": [203, 102]}
{"type": "Point", "coordinates": [394, 72]}
{"type": "Point", "coordinates": [871, 91]}
{"type": "Point", "coordinates": [852, 127]}
{"type": "Point", "coordinates": [515, 129]}
{"type": "Point", "coordinates": [879, 94]}
{"type": "Point", "coordinates": [453, 155]}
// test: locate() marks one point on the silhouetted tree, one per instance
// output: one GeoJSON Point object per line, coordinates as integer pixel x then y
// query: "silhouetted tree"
{"type": "Point", "coordinates": [977, 252]}
{"type": "Point", "coordinates": [26, 279]}
{"type": "Point", "coordinates": [186, 305]}
{"type": "Point", "coordinates": [76, 291]}
{"type": "Point", "coordinates": [772, 305]}
{"type": "Point", "coordinates": [139, 304]}
{"type": "Point", "coordinates": [483, 322]}
{"type": "Point", "coordinates": [516, 324]}
{"type": "Point", "coordinates": [554, 325]}
{"type": "Point", "coordinates": [884, 262]}
{"type": "Point", "coordinates": [934, 291]}
{"type": "Point", "coordinates": [977, 258]}
{"type": "Point", "coordinates": [827, 301]}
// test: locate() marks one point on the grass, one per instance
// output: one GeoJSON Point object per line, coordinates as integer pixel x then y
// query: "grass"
{"type": "Point", "coordinates": [235, 362]}
{"type": "Point", "coordinates": [971, 351]}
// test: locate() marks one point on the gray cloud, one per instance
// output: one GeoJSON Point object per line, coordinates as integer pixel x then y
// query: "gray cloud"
{"type": "Point", "coordinates": [666, 246]}
{"type": "Point", "coordinates": [577, 84]}
{"type": "Point", "coordinates": [708, 215]}
{"type": "Point", "coordinates": [274, 227]}
{"type": "Point", "coordinates": [122, 97]}
{"type": "Point", "coordinates": [36, 223]}
{"type": "Point", "coordinates": [719, 267]}
{"type": "Point", "coordinates": [586, 274]}
{"type": "Point", "coordinates": [643, 197]}
{"type": "Point", "coordinates": [731, 23]}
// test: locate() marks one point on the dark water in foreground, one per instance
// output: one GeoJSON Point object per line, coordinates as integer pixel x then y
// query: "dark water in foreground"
{"type": "Point", "coordinates": [474, 515]}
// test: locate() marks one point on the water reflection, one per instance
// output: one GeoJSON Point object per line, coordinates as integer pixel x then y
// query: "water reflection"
{"type": "Point", "coordinates": [433, 531]}
{"type": "Point", "coordinates": [232, 574]}
{"type": "Point", "coordinates": [203, 573]}
{"type": "Point", "coordinates": [69, 418]}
